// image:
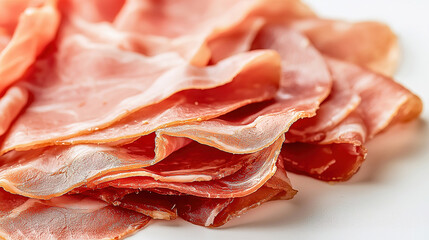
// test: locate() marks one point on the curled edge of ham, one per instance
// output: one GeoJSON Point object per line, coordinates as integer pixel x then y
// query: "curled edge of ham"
{"type": "Point", "coordinates": [36, 28]}
{"type": "Point", "coordinates": [65, 217]}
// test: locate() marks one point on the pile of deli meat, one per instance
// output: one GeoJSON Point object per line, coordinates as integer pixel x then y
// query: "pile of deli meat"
{"type": "Point", "coordinates": [114, 112]}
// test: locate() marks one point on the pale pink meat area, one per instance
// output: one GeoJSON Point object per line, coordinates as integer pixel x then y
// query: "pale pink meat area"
{"type": "Point", "coordinates": [116, 112]}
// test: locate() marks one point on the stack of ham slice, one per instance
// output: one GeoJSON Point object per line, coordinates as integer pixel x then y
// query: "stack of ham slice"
{"type": "Point", "coordinates": [116, 112]}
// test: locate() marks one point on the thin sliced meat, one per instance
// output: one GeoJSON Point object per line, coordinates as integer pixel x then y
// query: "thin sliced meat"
{"type": "Point", "coordinates": [337, 158]}
{"type": "Point", "coordinates": [383, 101]}
{"type": "Point", "coordinates": [243, 182]}
{"type": "Point", "coordinates": [116, 84]}
{"type": "Point", "coordinates": [11, 103]}
{"type": "Point", "coordinates": [341, 102]}
{"type": "Point", "coordinates": [52, 171]}
{"type": "Point", "coordinates": [10, 10]}
{"type": "Point", "coordinates": [256, 126]}
{"type": "Point", "coordinates": [92, 11]}
{"type": "Point", "coordinates": [66, 217]}
{"type": "Point", "coordinates": [36, 28]}
{"type": "Point", "coordinates": [194, 162]}
{"type": "Point", "coordinates": [337, 153]}
{"type": "Point", "coordinates": [4, 39]}
{"type": "Point", "coordinates": [148, 203]}
{"type": "Point", "coordinates": [198, 37]}
{"type": "Point", "coordinates": [170, 20]}
{"type": "Point", "coordinates": [211, 212]}
{"type": "Point", "coordinates": [369, 44]}
{"type": "Point", "coordinates": [256, 83]}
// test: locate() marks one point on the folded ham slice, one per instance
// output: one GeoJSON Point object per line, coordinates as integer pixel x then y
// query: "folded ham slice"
{"type": "Point", "coordinates": [369, 44]}
{"type": "Point", "coordinates": [33, 31]}
{"type": "Point", "coordinates": [256, 126]}
{"type": "Point", "coordinates": [113, 89]}
{"type": "Point", "coordinates": [144, 110]}
{"type": "Point", "coordinates": [66, 217]}
{"type": "Point", "coordinates": [37, 173]}
{"type": "Point", "coordinates": [210, 212]}
{"type": "Point", "coordinates": [335, 151]}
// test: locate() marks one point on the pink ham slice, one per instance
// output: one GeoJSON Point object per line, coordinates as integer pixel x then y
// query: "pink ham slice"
{"type": "Point", "coordinates": [51, 172]}
{"type": "Point", "coordinates": [337, 158]}
{"type": "Point", "coordinates": [212, 212]}
{"type": "Point", "coordinates": [258, 82]}
{"type": "Point", "coordinates": [35, 29]}
{"type": "Point", "coordinates": [383, 100]}
{"type": "Point", "coordinates": [369, 44]}
{"type": "Point", "coordinates": [116, 84]}
{"type": "Point", "coordinates": [92, 11]}
{"type": "Point", "coordinates": [209, 212]}
{"type": "Point", "coordinates": [335, 152]}
{"type": "Point", "coordinates": [241, 183]}
{"type": "Point", "coordinates": [256, 126]}
{"type": "Point", "coordinates": [341, 102]}
{"type": "Point", "coordinates": [148, 203]}
{"type": "Point", "coordinates": [66, 217]}
{"type": "Point", "coordinates": [210, 26]}
{"type": "Point", "coordinates": [11, 103]}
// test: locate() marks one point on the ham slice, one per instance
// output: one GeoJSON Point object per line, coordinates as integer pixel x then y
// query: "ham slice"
{"type": "Point", "coordinates": [11, 104]}
{"type": "Point", "coordinates": [250, 85]}
{"type": "Point", "coordinates": [368, 44]}
{"type": "Point", "coordinates": [34, 30]}
{"type": "Point", "coordinates": [121, 90]}
{"type": "Point", "coordinates": [339, 145]}
{"type": "Point", "coordinates": [151, 204]}
{"type": "Point", "coordinates": [92, 11]}
{"type": "Point", "coordinates": [66, 217]}
{"type": "Point", "coordinates": [211, 26]}
{"type": "Point", "coordinates": [210, 212]}
{"type": "Point", "coordinates": [337, 158]}
{"type": "Point", "coordinates": [37, 173]}
{"type": "Point", "coordinates": [301, 91]}
{"type": "Point", "coordinates": [243, 182]}
{"type": "Point", "coordinates": [140, 109]}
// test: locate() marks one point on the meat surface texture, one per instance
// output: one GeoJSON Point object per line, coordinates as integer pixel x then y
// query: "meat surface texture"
{"type": "Point", "coordinates": [116, 112]}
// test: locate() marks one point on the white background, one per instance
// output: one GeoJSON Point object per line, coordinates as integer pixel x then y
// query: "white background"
{"type": "Point", "coordinates": [388, 198]}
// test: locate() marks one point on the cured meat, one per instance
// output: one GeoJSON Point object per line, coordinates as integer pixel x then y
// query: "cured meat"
{"type": "Point", "coordinates": [243, 182]}
{"type": "Point", "coordinates": [337, 158]}
{"type": "Point", "coordinates": [211, 24]}
{"type": "Point", "coordinates": [49, 172]}
{"type": "Point", "coordinates": [250, 85]}
{"type": "Point", "coordinates": [211, 212]}
{"type": "Point", "coordinates": [122, 83]}
{"type": "Point", "coordinates": [301, 91]}
{"type": "Point", "coordinates": [34, 30]}
{"type": "Point", "coordinates": [151, 204]}
{"type": "Point", "coordinates": [66, 217]}
{"type": "Point", "coordinates": [369, 44]}
{"type": "Point", "coordinates": [341, 102]}
{"type": "Point", "coordinates": [383, 100]}
{"type": "Point", "coordinates": [201, 211]}
{"type": "Point", "coordinates": [339, 145]}
{"type": "Point", "coordinates": [92, 11]}
{"type": "Point", "coordinates": [180, 108]}
{"type": "Point", "coordinates": [37, 173]}
{"type": "Point", "coordinates": [11, 104]}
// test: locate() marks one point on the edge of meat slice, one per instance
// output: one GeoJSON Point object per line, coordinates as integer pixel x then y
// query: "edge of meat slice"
{"type": "Point", "coordinates": [36, 28]}
{"type": "Point", "coordinates": [335, 153]}
{"type": "Point", "coordinates": [368, 44]}
{"type": "Point", "coordinates": [66, 217]}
